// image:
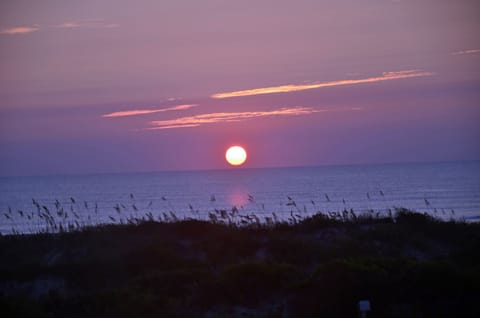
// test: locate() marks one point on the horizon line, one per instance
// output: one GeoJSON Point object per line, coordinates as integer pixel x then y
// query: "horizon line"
{"type": "Point", "coordinates": [239, 168]}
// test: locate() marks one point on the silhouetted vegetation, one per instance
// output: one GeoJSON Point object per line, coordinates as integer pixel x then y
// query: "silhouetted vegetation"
{"type": "Point", "coordinates": [407, 264]}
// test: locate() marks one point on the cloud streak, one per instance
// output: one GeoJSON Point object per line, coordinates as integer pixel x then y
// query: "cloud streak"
{"type": "Point", "coordinates": [99, 24]}
{"type": "Point", "coordinates": [386, 76]}
{"type": "Point", "coordinates": [19, 30]}
{"type": "Point", "coordinates": [136, 112]}
{"type": "Point", "coordinates": [225, 117]}
{"type": "Point", "coordinates": [94, 24]}
{"type": "Point", "coordinates": [466, 52]}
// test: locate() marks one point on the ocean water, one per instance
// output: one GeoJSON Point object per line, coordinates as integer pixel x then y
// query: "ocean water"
{"type": "Point", "coordinates": [444, 189]}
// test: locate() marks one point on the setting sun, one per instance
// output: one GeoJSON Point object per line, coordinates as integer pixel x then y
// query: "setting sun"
{"type": "Point", "coordinates": [236, 155]}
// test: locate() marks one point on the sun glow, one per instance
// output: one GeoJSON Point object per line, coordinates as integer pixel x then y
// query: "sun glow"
{"type": "Point", "coordinates": [236, 155]}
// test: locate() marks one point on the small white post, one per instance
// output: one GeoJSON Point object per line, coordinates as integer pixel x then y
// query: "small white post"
{"type": "Point", "coordinates": [363, 308]}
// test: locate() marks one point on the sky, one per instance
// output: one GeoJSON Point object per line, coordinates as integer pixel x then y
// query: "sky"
{"type": "Point", "coordinates": [124, 86]}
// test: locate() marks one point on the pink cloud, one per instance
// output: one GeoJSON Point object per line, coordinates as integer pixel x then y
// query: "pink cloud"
{"type": "Point", "coordinates": [19, 30]}
{"type": "Point", "coordinates": [386, 76]}
{"type": "Point", "coordinates": [86, 24]}
{"type": "Point", "coordinates": [65, 25]}
{"type": "Point", "coordinates": [466, 52]}
{"type": "Point", "coordinates": [212, 118]}
{"type": "Point", "coordinates": [137, 112]}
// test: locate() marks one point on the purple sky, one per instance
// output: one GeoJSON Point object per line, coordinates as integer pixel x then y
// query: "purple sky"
{"type": "Point", "coordinates": [119, 86]}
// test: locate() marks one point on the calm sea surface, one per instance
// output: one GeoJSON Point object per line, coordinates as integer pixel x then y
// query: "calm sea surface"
{"type": "Point", "coordinates": [445, 189]}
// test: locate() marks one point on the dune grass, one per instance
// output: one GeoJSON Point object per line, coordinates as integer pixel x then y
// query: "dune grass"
{"type": "Point", "coordinates": [407, 264]}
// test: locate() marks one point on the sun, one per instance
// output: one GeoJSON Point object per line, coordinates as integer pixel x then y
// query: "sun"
{"type": "Point", "coordinates": [236, 155]}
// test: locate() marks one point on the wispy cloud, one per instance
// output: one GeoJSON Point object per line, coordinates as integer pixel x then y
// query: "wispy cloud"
{"type": "Point", "coordinates": [386, 76]}
{"type": "Point", "coordinates": [474, 51]}
{"type": "Point", "coordinates": [222, 117]}
{"type": "Point", "coordinates": [19, 30]}
{"type": "Point", "coordinates": [86, 24]}
{"type": "Point", "coordinates": [136, 112]}
{"type": "Point", "coordinates": [98, 24]}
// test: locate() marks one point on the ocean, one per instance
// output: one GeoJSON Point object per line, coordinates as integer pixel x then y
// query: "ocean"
{"type": "Point", "coordinates": [447, 190]}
